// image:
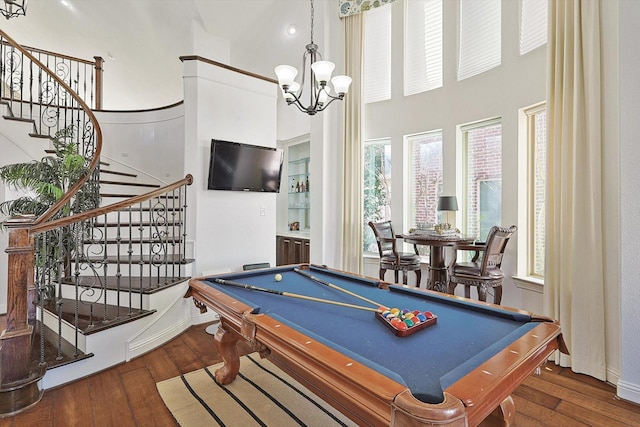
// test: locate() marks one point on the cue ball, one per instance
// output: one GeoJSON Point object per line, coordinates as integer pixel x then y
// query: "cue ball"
{"type": "Point", "coordinates": [278, 277]}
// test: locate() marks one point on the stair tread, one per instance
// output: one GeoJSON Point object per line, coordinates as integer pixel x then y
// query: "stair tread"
{"type": "Point", "coordinates": [131, 184]}
{"type": "Point", "coordinates": [147, 209]}
{"type": "Point", "coordinates": [69, 353]}
{"type": "Point", "coordinates": [145, 284]}
{"type": "Point", "coordinates": [137, 224]}
{"type": "Point", "coordinates": [132, 175]}
{"type": "Point", "coordinates": [135, 240]}
{"type": "Point", "coordinates": [128, 196]}
{"type": "Point", "coordinates": [92, 321]}
{"type": "Point", "coordinates": [136, 259]}
{"type": "Point", "coordinates": [17, 119]}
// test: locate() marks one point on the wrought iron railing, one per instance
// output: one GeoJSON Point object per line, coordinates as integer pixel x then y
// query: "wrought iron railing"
{"type": "Point", "coordinates": [33, 94]}
{"type": "Point", "coordinates": [105, 261]}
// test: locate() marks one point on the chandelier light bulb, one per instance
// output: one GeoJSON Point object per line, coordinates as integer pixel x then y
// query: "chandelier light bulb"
{"type": "Point", "coordinates": [322, 70]}
{"type": "Point", "coordinates": [289, 93]}
{"type": "Point", "coordinates": [286, 74]}
{"type": "Point", "coordinates": [341, 84]}
{"type": "Point", "coordinates": [322, 97]}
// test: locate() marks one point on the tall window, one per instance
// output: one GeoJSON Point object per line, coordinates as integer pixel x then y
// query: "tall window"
{"type": "Point", "coordinates": [533, 24]}
{"type": "Point", "coordinates": [480, 37]}
{"type": "Point", "coordinates": [422, 46]}
{"type": "Point", "coordinates": [425, 177]}
{"type": "Point", "coordinates": [377, 188]}
{"type": "Point", "coordinates": [537, 146]}
{"type": "Point", "coordinates": [377, 55]}
{"type": "Point", "coordinates": [483, 176]}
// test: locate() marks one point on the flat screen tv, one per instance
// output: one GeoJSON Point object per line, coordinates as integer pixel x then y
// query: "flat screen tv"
{"type": "Point", "coordinates": [243, 167]}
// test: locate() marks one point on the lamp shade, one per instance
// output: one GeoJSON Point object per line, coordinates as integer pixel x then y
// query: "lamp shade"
{"type": "Point", "coordinates": [286, 74]}
{"type": "Point", "coordinates": [341, 84]}
{"type": "Point", "coordinates": [294, 88]}
{"type": "Point", "coordinates": [323, 70]}
{"type": "Point", "coordinates": [447, 203]}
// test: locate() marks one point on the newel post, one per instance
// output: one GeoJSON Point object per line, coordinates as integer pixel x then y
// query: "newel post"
{"type": "Point", "coordinates": [18, 380]}
{"type": "Point", "coordinates": [98, 67]}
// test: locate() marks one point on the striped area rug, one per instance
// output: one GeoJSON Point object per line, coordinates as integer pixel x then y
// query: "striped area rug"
{"type": "Point", "coordinates": [261, 395]}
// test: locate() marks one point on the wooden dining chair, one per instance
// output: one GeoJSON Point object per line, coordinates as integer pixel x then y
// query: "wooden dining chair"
{"type": "Point", "coordinates": [484, 273]}
{"type": "Point", "coordinates": [390, 258]}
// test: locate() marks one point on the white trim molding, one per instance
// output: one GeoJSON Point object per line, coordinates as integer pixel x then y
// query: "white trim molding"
{"type": "Point", "coordinates": [628, 391]}
{"type": "Point", "coordinates": [529, 284]}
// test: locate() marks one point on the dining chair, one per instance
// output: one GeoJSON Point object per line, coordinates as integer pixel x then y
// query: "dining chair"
{"type": "Point", "coordinates": [390, 258]}
{"type": "Point", "coordinates": [484, 273]}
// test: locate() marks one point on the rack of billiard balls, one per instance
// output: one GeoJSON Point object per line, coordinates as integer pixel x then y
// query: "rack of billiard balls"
{"type": "Point", "coordinates": [406, 322]}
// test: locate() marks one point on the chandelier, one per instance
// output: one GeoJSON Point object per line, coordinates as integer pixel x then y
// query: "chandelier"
{"type": "Point", "coordinates": [320, 93]}
{"type": "Point", "coordinates": [12, 8]}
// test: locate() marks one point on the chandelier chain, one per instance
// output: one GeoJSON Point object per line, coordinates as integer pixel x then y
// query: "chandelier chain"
{"type": "Point", "coordinates": [312, 21]}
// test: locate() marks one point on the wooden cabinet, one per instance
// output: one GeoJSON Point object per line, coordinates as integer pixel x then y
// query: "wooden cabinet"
{"type": "Point", "coordinates": [291, 250]}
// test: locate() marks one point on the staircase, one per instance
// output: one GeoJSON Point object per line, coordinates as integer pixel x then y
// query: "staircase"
{"type": "Point", "coordinates": [108, 283]}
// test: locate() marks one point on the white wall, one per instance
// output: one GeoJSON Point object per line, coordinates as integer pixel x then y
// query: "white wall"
{"type": "Point", "coordinates": [230, 228]}
{"type": "Point", "coordinates": [150, 142]}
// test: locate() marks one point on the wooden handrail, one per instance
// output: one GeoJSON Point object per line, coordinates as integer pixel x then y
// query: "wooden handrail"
{"type": "Point", "coordinates": [96, 127]}
{"type": "Point", "coordinates": [114, 207]}
{"type": "Point", "coordinates": [225, 66]}
{"type": "Point", "coordinates": [59, 55]}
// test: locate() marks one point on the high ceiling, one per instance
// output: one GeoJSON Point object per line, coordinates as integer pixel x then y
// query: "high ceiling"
{"type": "Point", "coordinates": [143, 39]}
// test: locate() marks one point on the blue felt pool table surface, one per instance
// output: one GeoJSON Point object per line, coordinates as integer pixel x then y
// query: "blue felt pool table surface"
{"type": "Point", "coordinates": [465, 335]}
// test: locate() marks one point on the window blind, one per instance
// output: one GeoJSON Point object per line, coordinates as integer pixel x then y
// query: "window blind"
{"type": "Point", "coordinates": [422, 46]}
{"type": "Point", "coordinates": [480, 37]}
{"type": "Point", "coordinates": [377, 55]}
{"type": "Point", "coordinates": [533, 24]}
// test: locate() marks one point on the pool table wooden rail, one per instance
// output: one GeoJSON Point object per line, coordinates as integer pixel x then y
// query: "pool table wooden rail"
{"type": "Point", "coordinates": [363, 394]}
{"type": "Point", "coordinates": [357, 391]}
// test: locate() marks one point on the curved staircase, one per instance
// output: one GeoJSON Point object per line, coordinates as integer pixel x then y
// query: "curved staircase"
{"type": "Point", "coordinates": [103, 285]}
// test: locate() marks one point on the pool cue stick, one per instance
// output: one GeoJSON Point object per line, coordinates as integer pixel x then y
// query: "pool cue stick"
{"type": "Point", "coordinates": [292, 295]}
{"type": "Point", "coordinates": [331, 285]}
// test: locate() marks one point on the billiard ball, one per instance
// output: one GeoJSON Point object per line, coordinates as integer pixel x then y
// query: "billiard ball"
{"type": "Point", "coordinates": [278, 277]}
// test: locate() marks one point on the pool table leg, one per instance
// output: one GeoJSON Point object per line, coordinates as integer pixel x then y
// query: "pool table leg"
{"type": "Point", "coordinates": [226, 340]}
{"type": "Point", "coordinates": [508, 409]}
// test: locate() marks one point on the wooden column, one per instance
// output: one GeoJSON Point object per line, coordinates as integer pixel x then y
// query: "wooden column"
{"type": "Point", "coordinates": [99, 70]}
{"type": "Point", "coordinates": [19, 374]}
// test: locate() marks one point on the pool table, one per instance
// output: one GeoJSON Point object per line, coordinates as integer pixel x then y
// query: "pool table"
{"type": "Point", "coordinates": [455, 372]}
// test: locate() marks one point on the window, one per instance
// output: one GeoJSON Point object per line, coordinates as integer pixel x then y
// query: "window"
{"type": "Point", "coordinates": [377, 55]}
{"type": "Point", "coordinates": [533, 24]}
{"type": "Point", "coordinates": [422, 46]}
{"type": "Point", "coordinates": [482, 177]}
{"type": "Point", "coordinates": [537, 150]}
{"type": "Point", "coordinates": [425, 180]}
{"type": "Point", "coordinates": [480, 37]}
{"type": "Point", "coordinates": [377, 188]}
{"type": "Point", "coordinates": [425, 177]}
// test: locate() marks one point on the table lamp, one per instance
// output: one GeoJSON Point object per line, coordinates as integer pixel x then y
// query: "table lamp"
{"type": "Point", "coordinates": [447, 203]}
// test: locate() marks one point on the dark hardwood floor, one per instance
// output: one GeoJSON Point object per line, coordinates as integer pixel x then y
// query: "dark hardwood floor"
{"type": "Point", "coordinates": [126, 395]}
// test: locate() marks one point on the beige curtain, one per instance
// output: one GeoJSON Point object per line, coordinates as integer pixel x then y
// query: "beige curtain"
{"type": "Point", "coordinates": [574, 278]}
{"type": "Point", "coordinates": [352, 167]}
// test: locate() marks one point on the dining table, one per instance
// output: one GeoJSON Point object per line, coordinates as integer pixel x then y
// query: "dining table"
{"type": "Point", "coordinates": [438, 277]}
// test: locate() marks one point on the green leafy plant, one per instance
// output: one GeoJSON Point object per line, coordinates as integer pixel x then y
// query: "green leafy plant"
{"type": "Point", "coordinates": [45, 181]}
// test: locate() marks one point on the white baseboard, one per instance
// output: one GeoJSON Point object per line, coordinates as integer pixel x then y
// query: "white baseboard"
{"type": "Point", "coordinates": [628, 391]}
{"type": "Point", "coordinates": [613, 376]}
